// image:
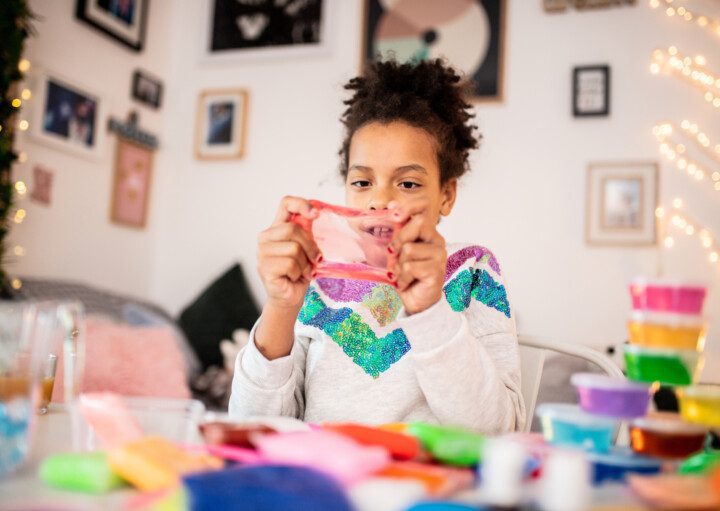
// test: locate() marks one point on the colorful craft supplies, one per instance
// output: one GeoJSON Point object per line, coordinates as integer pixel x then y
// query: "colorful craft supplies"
{"type": "Point", "coordinates": [399, 445]}
{"type": "Point", "coordinates": [449, 444]}
{"type": "Point", "coordinates": [82, 472]}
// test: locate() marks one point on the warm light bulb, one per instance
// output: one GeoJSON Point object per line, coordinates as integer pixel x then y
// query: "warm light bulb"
{"type": "Point", "coordinates": [26, 94]}
{"type": "Point", "coordinates": [672, 50]}
{"type": "Point", "coordinates": [17, 103]}
{"type": "Point", "coordinates": [23, 125]}
{"type": "Point", "coordinates": [702, 21]}
{"type": "Point", "coordinates": [654, 68]}
{"type": "Point", "coordinates": [16, 284]}
{"type": "Point", "coordinates": [660, 212]}
{"type": "Point", "coordinates": [690, 230]}
{"type": "Point", "coordinates": [677, 202]}
{"type": "Point", "coordinates": [654, 4]}
{"type": "Point", "coordinates": [19, 251]}
{"type": "Point", "coordinates": [713, 257]}
{"type": "Point", "coordinates": [669, 242]}
{"type": "Point", "coordinates": [717, 186]}
{"type": "Point", "coordinates": [24, 65]}
{"type": "Point", "coordinates": [707, 242]}
{"type": "Point", "coordinates": [716, 176]}
{"type": "Point", "coordinates": [20, 187]}
{"type": "Point", "coordinates": [22, 157]}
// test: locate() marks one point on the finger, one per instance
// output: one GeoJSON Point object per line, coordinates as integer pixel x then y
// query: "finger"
{"type": "Point", "coordinates": [290, 249]}
{"type": "Point", "coordinates": [290, 205]}
{"type": "Point", "coordinates": [417, 229]}
{"type": "Point", "coordinates": [410, 209]}
{"type": "Point", "coordinates": [279, 267]}
{"type": "Point", "coordinates": [291, 232]}
{"type": "Point", "coordinates": [412, 271]}
{"type": "Point", "coordinates": [422, 252]}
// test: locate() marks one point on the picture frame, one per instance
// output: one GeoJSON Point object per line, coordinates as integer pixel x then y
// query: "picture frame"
{"type": "Point", "coordinates": [66, 116]}
{"type": "Point", "coordinates": [132, 183]}
{"type": "Point", "coordinates": [474, 44]}
{"type": "Point", "coordinates": [236, 32]}
{"type": "Point", "coordinates": [124, 21]}
{"type": "Point", "coordinates": [620, 204]}
{"type": "Point", "coordinates": [146, 89]}
{"type": "Point", "coordinates": [221, 125]}
{"type": "Point", "coordinates": [591, 91]}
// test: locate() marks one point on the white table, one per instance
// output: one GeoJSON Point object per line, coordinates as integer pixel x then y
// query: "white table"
{"type": "Point", "coordinates": [23, 489]}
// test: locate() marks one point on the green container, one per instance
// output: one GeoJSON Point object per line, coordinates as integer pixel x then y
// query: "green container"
{"type": "Point", "coordinates": [448, 444]}
{"type": "Point", "coordinates": [669, 367]}
{"type": "Point", "coordinates": [80, 472]}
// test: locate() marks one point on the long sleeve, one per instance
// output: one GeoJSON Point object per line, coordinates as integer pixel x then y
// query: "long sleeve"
{"type": "Point", "coordinates": [269, 387]}
{"type": "Point", "coordinates": [465, 354]}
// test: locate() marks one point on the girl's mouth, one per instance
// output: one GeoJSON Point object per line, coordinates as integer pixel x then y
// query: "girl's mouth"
{"type": "Point", "coordinates": [379, 231]}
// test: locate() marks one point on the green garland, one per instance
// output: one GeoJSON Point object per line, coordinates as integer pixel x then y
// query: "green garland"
{"type": "Point", "coordinates": [15, 18]}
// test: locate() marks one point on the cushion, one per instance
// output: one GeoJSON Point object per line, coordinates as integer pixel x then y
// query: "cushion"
{"type": "Point", "coordinates": [222, 308]}
{"type": "Point", "coordinates": [129, 360]}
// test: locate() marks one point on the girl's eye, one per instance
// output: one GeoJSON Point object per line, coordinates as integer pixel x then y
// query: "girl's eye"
{"type": "Point", "coordinates": [408, 185]}
{"type": "Point", "coordinates": [361, 183]}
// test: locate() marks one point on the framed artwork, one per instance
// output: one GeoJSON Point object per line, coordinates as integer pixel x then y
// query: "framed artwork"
{"type": "Point", "coordinates": [237, 30]}
{"type": "Point", "coordinates": [469, 34]}
{"type": "Point", "coordinates": [221, 124]}
{"type": "Point", "coordinates": [123, 20]}
{"type": "Point", "coordinates": [146, 89]}
{"type": "Point", "coordinates": [621, 203]}
{"type": "Point", "coordinates": [131, 184]}
{"type": "Point", "coordinates": [591, 91]}
{"type": "Point", "coordinates": [66, 116]}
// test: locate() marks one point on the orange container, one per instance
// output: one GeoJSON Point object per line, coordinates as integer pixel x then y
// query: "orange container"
{"type": "Point", "coordinates": [676, 331]}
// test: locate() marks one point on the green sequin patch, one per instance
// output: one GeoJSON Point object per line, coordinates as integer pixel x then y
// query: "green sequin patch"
{"type": "Point", "coordinates": [478, 284]}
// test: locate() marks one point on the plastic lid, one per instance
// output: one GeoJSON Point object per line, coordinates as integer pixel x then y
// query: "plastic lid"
{"type": "Point", "coordinates": [636, 349]}
{"type": "Point", "coordinates": [623, 457]}
{"type": "Point", "coordinates": [668, 319]}
{"type": "Point", "coordinates": [572, 413]}
{"type": "Point", "coordinates": [668, 423]}
{"type": "Point", "coordinates": [668, 282]}
{"type": "Point", "coordinates": [601, 381]}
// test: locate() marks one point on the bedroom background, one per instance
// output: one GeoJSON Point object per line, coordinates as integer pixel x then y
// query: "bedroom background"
{"type": "Point", "coordinates": [525, 198]}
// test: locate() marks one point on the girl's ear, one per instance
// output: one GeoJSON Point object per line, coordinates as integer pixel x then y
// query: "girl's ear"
{"type": "Point", "coordinates": [449, 193]}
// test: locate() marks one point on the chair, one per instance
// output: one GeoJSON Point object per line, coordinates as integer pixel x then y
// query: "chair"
{"type": "Point", "coordinates": [532, 359]}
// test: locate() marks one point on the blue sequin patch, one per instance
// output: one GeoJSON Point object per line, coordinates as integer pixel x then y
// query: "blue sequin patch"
{"type": "Point", "coordinates": [477, 284]}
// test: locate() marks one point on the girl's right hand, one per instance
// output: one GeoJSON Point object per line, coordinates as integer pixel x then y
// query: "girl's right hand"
{"type": "Point", "coordinates": [287, 255]}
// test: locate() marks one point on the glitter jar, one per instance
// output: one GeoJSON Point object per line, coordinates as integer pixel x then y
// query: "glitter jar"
{"type": "Point", "coordinates": [568, 425]}
{"type": "Point", "coordinates": [658, 330]}
{"type": "Point", "coordinates": [666, 435]}
{"type": "Point", "coordinates": [669, 367]}
{"type": "Point", "coordinates": [611, 396]}
{"type": "Point", "coordinates": [700, 404]}
{"type": "Point", "coordinates": [618, 463]}
{"type": "Point", "coordinates": [664, 295]}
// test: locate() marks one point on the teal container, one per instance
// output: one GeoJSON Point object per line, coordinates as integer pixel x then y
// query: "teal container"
{"type": "Point", "coordinates": [567, 425]}
{"type": "Point", "coordinates": [665, 366]}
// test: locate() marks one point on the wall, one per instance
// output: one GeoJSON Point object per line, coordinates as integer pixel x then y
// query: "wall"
{"type": "Point", "coordinates": [525, 197]}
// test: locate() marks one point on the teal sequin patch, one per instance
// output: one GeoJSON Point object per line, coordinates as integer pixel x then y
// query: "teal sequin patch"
{"type": "Point", "coordinates": [357, 340]}
{"type": "Point", "coordinates": [477, 284]}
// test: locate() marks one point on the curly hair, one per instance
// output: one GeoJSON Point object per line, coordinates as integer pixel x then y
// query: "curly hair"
{"type": "Point", "coordinates": [427, 95]}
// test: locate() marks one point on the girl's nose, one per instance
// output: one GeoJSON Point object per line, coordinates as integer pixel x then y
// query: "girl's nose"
{"type": "Point", "coordinates": [380, 199]}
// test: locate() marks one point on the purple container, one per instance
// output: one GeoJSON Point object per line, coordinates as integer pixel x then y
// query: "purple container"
{"type": "Point", "coordinates": [611, 396]}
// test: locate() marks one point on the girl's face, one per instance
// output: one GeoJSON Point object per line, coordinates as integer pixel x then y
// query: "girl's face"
{"type": "Point", "coordinates": [396, 162]}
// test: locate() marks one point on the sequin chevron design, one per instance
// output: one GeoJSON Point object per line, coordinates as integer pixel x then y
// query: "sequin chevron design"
{"type": "Point", "coordinates": [478, 284]}
{"type": "Point", "coordinates": [481, 254]}
{"type": "Point", "coordinates": [349, 331]}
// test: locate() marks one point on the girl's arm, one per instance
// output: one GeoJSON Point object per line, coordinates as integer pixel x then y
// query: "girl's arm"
{"type": "Point", "coordinates": [465, 353]}
{"type": "Point", "coordinates": [269, 387]}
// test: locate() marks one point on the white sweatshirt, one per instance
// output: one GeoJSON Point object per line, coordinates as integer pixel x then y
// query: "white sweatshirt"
{"type": "Point", "coordinates": [357, 357]}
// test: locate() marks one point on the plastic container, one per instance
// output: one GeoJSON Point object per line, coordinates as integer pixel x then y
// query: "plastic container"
{"type": "Point", "coordinates": [568, 425]}
{"type": "Point", "coordinates": [662, 295]}
{"type": "Point", "coordinates": [175, 420]}
{"type": "Point", "coordinates": [670, 367]}
{"type": "Point", "coordinates": [675, 331]}
{"type": "Point", "coordinates": [701, 404]}
{"type": "Point", "coordinates": [615, 465]}
{"type": "Point", "coordinates": [613, 397]}
{"type": "Point", "coordinates": [665, 435]}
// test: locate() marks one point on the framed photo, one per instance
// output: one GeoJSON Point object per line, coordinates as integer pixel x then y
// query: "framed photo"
{"type": "Point", "coordinates": [591, 91]}
{"type": "Point", "coordinates": [555, 5]}
{"type": "Point", "coordinates": [131, 184]}
{"type": "Point", "coordinates": [621, 203]}
{"type": "Point", "coordinates": [241, 30]}
{"type": "Point", "coordinates": [471, 36]}
{"type": "Point", "coordinates": [123, 20]}
{"type": "Point", "coordinates": [146, 89]}
{"type": "Point", "coordinates": [66, 116]}
{"type": "Point", "coordinates": [221, 124]}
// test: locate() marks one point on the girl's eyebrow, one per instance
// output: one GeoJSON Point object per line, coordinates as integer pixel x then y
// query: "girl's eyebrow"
{"type": "Point", "coordinates": [404, 168]}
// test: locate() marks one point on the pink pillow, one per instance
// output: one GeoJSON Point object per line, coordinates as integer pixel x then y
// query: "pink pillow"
{"type": "Point", "coordinates": [130, 360]}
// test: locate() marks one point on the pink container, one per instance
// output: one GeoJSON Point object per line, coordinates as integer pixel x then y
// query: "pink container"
{"type": "Point", "coordinates": [660, 295]}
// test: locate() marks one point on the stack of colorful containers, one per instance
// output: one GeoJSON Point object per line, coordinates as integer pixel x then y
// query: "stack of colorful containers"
{"type": "Point", "coordinates": [667, 338]}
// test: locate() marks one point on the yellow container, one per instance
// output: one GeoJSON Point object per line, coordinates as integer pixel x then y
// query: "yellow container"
{"type": "Point", "coordinates": [700, 404]}
{"type": "Point", "coordinates": [667, 331]}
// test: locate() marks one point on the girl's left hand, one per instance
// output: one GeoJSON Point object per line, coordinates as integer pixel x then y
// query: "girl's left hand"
{"type": "Point", "coordinates": [420, 257]}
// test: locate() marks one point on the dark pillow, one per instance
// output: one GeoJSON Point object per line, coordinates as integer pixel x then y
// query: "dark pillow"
{"type": "Point", "coordinates": [223, 307]}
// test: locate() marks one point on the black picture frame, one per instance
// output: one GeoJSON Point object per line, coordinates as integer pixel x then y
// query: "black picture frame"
{"type": "Point", "coordinates": [146, 89]}
{"type": "Point", "coordinates": [105, 23]}
{"type": "Point", "coordinates": [487, 80]}
{"type": "Point", "coordinates": [591, 91]}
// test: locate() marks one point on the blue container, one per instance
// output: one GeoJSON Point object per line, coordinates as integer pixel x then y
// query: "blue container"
{"type": "Point", "coordinates": [615, 465]}
{"type": "Point", "coordinates": [569, 426]}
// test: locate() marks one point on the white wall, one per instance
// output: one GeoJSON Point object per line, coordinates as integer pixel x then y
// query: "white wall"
{"type": "Point", "coordinates": [525, 198]}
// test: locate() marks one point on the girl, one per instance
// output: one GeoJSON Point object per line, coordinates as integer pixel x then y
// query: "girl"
{"type": "Point", "coordinates": [439, 346]}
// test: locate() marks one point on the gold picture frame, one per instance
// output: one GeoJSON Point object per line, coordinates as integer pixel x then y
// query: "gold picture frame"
{"type": "Point", "coordinates": [221, 124]}
{"type": "Point", "coordinates": [620, 204]}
